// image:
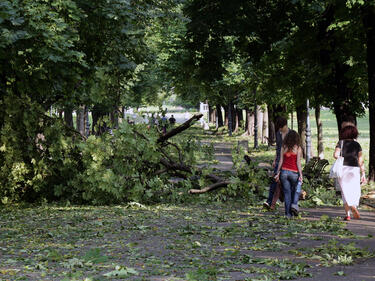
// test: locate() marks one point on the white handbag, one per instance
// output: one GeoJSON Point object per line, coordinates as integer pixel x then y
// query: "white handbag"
{"type": "Point", "coordinates": [336, 169]}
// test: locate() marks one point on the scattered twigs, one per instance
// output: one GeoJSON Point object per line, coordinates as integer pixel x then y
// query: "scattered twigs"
{"type": "Point", "coordinates": [178, 150]}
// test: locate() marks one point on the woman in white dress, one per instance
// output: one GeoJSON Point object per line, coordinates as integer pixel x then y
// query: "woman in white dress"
{"type": "Point", "coordinates": [353, 170]}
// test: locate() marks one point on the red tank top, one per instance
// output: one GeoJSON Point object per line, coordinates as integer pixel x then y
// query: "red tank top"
{"type": "Point", "coordinates": [290, 161]}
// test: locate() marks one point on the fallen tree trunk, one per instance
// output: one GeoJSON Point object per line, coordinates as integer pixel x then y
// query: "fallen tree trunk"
{"type": "Point", "coordinates": [209, 188]}
{"type": "Point", "coordinates": [180, 128]}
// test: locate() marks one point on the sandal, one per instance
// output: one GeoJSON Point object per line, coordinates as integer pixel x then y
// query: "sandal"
{"type": "Point", "coordinates": [355, 213]}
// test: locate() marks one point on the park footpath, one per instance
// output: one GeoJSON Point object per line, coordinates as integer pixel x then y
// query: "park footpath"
{"type": "Point", "coordinates": [363, 227]}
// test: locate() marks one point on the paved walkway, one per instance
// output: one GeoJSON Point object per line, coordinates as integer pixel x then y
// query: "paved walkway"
{"type": "Point", "coordinates": [365, 227]}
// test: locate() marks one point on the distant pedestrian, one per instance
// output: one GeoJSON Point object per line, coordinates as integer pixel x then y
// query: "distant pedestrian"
{"type": "Point", "coordinates": [152, 120]}
{"type": "Point", "coordinates": [353, 173]}
{"type": "Point", "coordinates": [164, 123]}
{"type": "Point", "coordinates": [289, 170]}
{"type": "Point", "coordinates": [172, 120]}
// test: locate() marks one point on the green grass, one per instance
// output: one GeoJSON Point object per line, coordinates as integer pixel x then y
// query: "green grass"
{"type": "Point", "coordinates": [330, 134]}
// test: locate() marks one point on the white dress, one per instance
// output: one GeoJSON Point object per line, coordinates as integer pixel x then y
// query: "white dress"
{"type": "Point", "coordinates": [350, 184]}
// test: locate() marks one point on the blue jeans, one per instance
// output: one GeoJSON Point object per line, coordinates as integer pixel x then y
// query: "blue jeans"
{"type": "Point", "coordinates": [297, 193]}
{"type": "Point", "coordinates": [289, 181]}
{"type": "Point", "coordinates": [272, 188]}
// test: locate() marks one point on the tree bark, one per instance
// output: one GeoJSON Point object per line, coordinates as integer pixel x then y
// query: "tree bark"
{"type": "Point", "coordinates": [255, 121]}
{"type": "Point", "coordinates": [180, 128]}
{"type": "Point", "coordinates": [87, 122]}
{"type": "Point", "coordinates": [114, 118]}
{"type": "Point", "coordinates": [230, 118]}
{"type": "Point", "coordinates": [342, 104]}
{"type": "Point", "coordinates": [209, 188]}
{"type": "Point", "coordinates": [98, 112]}
{"type": "Point", "coordinates": [271, 127]}
{"type": "Point", "coordinates": [68, 117]}
{"type": "Point", "coordinates": [226, 119]}
{"type": "Point", "coordinates": [260, 123]}
{"type": "Point", "coordinates": [81, 120]}
{"type": "Point", "coordinates": [342, 94]}
{"type": "Point", "coordinates": [319, 128]}
{"type": "Point", "coordinates": [211, 114]}
{"type": "Point", "coordinates": [301, 121]}
{"type": "Point", "coordinates": [265, 126]}
{"type": "Point", "coordinates": [237, 120]}
{"type": "Point", "coordinates": [247, 122]}
{"type": "Point", "coordinates": [240, 117]}
{"type": "Point", "coordinates": [219, 116]}
{"type": "Point", "coordinates": [234, 116]}
{"type": "Point", "coordinates": [368, 17]}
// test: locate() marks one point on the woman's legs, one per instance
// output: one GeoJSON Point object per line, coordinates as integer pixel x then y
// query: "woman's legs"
{"type": "Point", "coordinates": [288, 181]}
{"type": "Point", "coordinates": [355, 212]}
{"type": "Point", "coordinates": [350, 190]}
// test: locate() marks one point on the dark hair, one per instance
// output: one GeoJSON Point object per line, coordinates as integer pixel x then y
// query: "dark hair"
{"type": "Point", "coordinates": [348, 132]}
{"type": "Point", "coordinates": [280, 122]}
{"type": "Point", "coordinates": [291, 139]}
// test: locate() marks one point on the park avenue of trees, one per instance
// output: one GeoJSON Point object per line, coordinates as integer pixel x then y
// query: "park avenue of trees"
{"type": "Point", "coordinates": [107, 55]}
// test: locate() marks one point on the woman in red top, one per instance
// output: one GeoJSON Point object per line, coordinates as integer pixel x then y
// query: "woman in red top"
{"type": "Point", "coordinates": [291, 172]}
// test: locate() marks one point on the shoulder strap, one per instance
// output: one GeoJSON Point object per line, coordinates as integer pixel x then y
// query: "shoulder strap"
{"type": "Point", "coordinates": [341, 145]}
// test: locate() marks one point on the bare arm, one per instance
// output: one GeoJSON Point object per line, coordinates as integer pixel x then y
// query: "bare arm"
{"type": "Point", "coordinates": [362, 167]}
{"type": "Point", "coordinates": [336, 153]}
{"type": "Point", "coordinates": [280, 164]}
{"type": "Point", "coordinates": [299, 156]}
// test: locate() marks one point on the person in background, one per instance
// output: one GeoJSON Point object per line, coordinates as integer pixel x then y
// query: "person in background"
{"type": "Point", "coordinates": [172, 120]}
{"type": "Point", "coordinates": [164, 123]}
{"type": "Point", "coordinates": [353, 173]}
{"type": "Point", "coordinates": [289, 170]}
{"type": "Point", "coordinates": [281, 127]}
{"type": "Point", "coordinates": [347, 120]}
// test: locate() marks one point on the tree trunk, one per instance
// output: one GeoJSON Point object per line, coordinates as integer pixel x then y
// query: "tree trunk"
{"type": "Point", "coordinates": [211, 114]}
{"type": "Point", "coordinates": [81, 120]}
{"type": "Point", "coordinates": [255, 121]}
{"type": "Point", "coordinates": [220, 122]}
{"type": "Point", "coordinates": [87, 122]}
{"type": "Point", "coordinates": [319, 128]}
{"type": "Point", "coordinates": [292, 120]}
{"type": "Point", "coordinates": [301, 121]}
{"type": "Point", "coordinates": [252, 122]}
{"type": "Point", "coordinates": [114, 119]}
{"type": "Point", "coordinates": [240, 117]}
{"type": "Point", "coordinates": [236, 118]}
{"type": "Point", "coordinates": [368, 15]}
{"type": "Point", "coordinates": [265, 126]}
{"type": "Point", "coordinates": [226, 119]}
{"type": "Point", "coordinates": [248, 123]}
{"type": "Point", "coordinates": [230, 118]}
{"type": "Point", "coordinates": [260, 123]}
{"type": "Point", "coordinates": [98, 112]}
{"type": "Point", "coordinates": [271, 127]}
{"type": "Point", "coordinates": [68, 117]}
